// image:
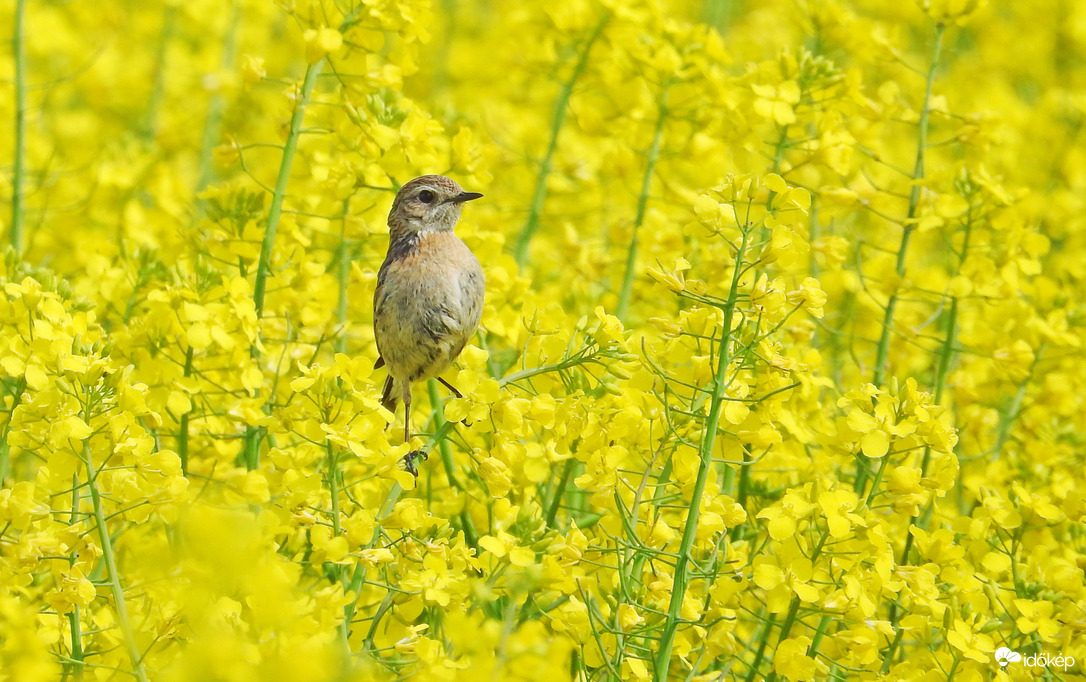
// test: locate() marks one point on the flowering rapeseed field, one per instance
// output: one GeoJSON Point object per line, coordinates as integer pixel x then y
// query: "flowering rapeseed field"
{"type": "Point", "coordinates": [780, 374]}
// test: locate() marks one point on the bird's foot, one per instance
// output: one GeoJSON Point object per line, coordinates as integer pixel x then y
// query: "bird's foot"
{"type": "Point", "coordinates": [411, 460]}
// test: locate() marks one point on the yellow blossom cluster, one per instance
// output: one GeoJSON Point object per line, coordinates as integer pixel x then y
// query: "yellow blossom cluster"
{"type": "Point", "coordinates": [779, 377]}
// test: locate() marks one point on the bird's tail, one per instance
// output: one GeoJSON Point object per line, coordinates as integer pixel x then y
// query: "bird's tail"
{"type": "Point", "coordinates": [388, 395]}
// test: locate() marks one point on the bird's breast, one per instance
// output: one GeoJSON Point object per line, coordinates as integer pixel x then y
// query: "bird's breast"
{"type": "Point", "coordinates": [428, 256]}
{"type": "Point", "coordinates": [427, 304]}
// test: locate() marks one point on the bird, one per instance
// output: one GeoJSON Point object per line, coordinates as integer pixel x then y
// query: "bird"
{"type": "Point", "coordinates": [430, 290]}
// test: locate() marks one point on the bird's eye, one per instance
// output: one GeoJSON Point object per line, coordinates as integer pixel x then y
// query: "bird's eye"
{"type": "Point", "coordinates": [426, 196]}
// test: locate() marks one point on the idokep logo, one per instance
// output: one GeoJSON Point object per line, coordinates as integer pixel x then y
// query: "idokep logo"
{"type": "Point", "coordinates": [1005, 657]}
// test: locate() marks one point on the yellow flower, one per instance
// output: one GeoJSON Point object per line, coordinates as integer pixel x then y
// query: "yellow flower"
{"type": "Point", "coordinates": [790, 659]}
{"type": "Point", "coordinates": [783, 516]}
{"type": "Point", "coordinates": [19, 505]}
{"type": "Point", "coordinates": [972, 644]}
{"type": "Point", "coordinates": [321, 42]}
{"type": "Point", "coordinates": [951, 11]}
{"type": "Point", "coordinates": [1016, 359]}
{"type": "Point", "coordinates": [1037, 616]}
{"type": "Point", "coordinates": [810, 297]}
{"type": "Point", "coordinates": [777, 102]}
{"type": "Point", "coordinates": [628, 617]}
{"type": "Point", "coordinates": [785, 576]}
{"type": "Point", "coordinates": [252, 69]}
{"type": "Point", "coordinates": [838, 506]}
{"type": "Point", "coordinates": [900, 356]}
{"type": "Point", "coordinates": [504, 545]}
{"type": "Point", "coordinates": [769, 298]}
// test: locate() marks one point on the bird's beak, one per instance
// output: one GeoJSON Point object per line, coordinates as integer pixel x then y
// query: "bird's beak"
{"type": "Point", "coordinates": [464, 196]}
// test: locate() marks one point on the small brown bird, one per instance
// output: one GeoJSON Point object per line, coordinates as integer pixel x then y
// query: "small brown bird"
{"type": "Point", "coordinates": [430, 289]}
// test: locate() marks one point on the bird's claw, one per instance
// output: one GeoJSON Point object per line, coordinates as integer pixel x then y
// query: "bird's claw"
{"type": "Point", "coordinates": [411, 459]}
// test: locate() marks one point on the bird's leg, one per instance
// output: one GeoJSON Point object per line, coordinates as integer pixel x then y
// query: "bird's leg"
{"type": "Point", "coordinates": [410, 459]}
{"type": "Point", "coordinates": [456, 393]}
{"type": "Point", "coordinates": [450, 387]}
{"type": "Point", "coordinates": [388, 401]}
{"type": "Point", "coordinates": [407, 411]}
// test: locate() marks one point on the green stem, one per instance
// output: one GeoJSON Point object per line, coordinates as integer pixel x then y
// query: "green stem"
{"type": "Point", "coordinates": [883, 350]}
{"type": "Point", "coordinates": [820, 633]}
{"type": "Point", "coordinates": [217, 105]}
{"type": "Point", "coordinates": [786, 629]}
{"type": "Point", "coordinates": [5, 449]}
{"type": "Point", "coordinates": [914, 203]}
{"type": "Point", "coordinates": [682, 566]}
{"type": "Point", "coordinates": [778, 159]}
{"type": "Point", "coordinates": [559, 492]}
{"type": "Point", "coordinates": [953, 668]}
{"type": "Point", "coordinates": [888, 659]}
{"type": "Point", "coordinates": [263, 270]}
{"type": "Point", "coordinates": [878, 479]}
{"type": "Point", "coordinates": [557, 121]}
{"type": "Point", "coordinates": [443, 444]}
{"type": "Point", "coordinates": [814, 234]}
{"type": "Point", "coordinates": [1007, 419]}
{"type": "Point", "coordinates": [76, 665]}
{"type": "Point", "coordinates": [358, 578]}
{"type": "Point", "coordinates": [253, 435]}
{"type": "Point", "coordinates": [74, 627]}
{"type": "Point", "coordinates": [789, 620]}
{"type": "Point", "coordinates": [760, 654]}
{"type": "Point", "coordinates": [111, 566]}
{"type": "Point", "coordinates": [386, 603]}
{"type": "Point", "coordinates": [442, 427]}
{"type": "Point", "coordinates": [946, 356]}
{"type": "Point", "coordinates": [717, 13]}
{"type": "Point", "coordinates": [343, 275]}
{"type": "Point", "coordinates": [158, 87]}
{"type": "Point", "coordinates": [251, 452]}
{"type": "Point", "coordinates": [642, 203]}
{"type": "Point", "coordinates": [332, 478]}
{"type": "Point", "coordinates": [183, 426]}
{"type": "Point", "coordinates": [744, 482]}
{"type": "Point", "coordinates": [19, 173]}
{"type": "Point", "coordinates": [536, 371]}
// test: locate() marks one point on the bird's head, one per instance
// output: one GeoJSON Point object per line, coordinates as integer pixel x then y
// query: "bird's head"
{"type": "Point", "coordinates": [430, 203]}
